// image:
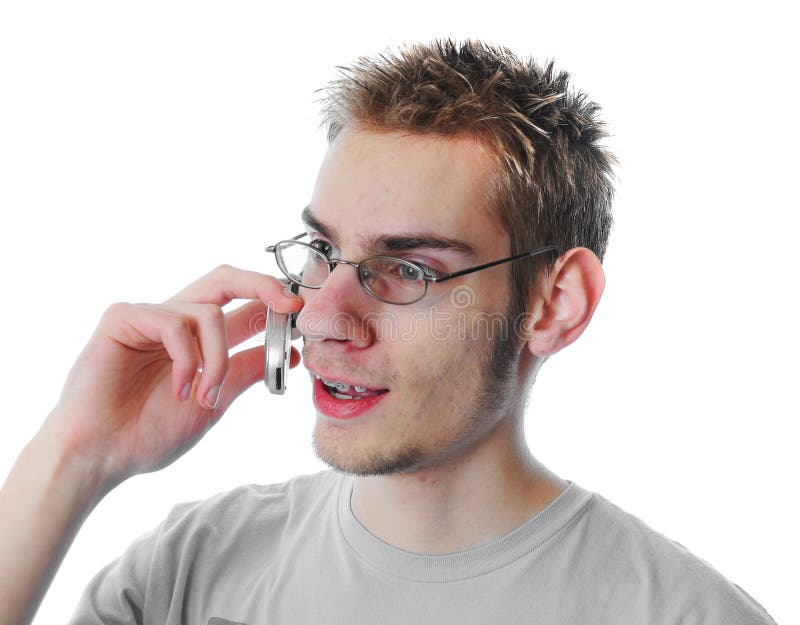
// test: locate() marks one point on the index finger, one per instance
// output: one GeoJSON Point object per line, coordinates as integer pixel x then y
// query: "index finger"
{"type": "Point", "coordinates": [225, 283]}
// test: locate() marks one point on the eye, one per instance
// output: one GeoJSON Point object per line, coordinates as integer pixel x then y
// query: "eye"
{"type": "Point", "coordinates": [323, 246]}
{"type": "Point", "coordinates": [409, 273]}
{"type": "Point", "coordinates": [413, 274]}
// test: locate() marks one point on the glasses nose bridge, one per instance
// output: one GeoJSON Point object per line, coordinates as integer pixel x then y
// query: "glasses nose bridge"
{"type": "Point", "coordinates": [337, 261]}
{"type": "Point", "coordinates": [332, 264]}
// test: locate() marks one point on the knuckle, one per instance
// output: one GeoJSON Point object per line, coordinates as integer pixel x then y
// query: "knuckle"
{"type": "Point", "coordinates": [178, 324]}
{"type": "Point", "coordinates": [212, 312]}
{"type": "Point", "coordinates": [116, 308]}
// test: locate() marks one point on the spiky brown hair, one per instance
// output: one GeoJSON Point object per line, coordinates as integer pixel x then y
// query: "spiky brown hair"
{"type": "Point", "coordinates": [553, 182]}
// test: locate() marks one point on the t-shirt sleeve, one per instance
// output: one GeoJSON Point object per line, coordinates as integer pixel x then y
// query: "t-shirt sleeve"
{"type": "Point", "coordinates": [116, 593]}
{"type": "Point", "coordinates": [126, 590]}
{"type": "Point", "coordinates": [737, 607]}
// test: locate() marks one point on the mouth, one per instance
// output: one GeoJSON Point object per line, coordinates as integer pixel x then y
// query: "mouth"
{"type": "Point", "coordinates": [344, 390]}
{"type": "Point", "coordinates": [339, 404]}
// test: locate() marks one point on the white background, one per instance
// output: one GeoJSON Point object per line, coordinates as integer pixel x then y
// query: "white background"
{"type": "Point", "coordinates": [142, 144]}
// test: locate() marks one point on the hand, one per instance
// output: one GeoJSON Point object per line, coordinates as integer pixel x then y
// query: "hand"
{"type": "Point", "coordinates": [121, 409]}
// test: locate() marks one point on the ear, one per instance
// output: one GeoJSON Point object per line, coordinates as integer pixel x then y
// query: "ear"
{"type": "Point", "coordinates": [562, 304]}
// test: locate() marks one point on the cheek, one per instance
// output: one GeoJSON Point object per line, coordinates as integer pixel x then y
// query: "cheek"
{"type": "Point", "coordinates": [444, 367]}
{"type": "Point", "coordinates": [441, 352]}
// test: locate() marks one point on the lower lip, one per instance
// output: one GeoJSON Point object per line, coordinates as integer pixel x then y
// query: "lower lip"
{"type": "Point", "coordinates": [337, 408]}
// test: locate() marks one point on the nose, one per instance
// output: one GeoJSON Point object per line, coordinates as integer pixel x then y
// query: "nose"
{"type": "Point", "coordinates": [336, 309]}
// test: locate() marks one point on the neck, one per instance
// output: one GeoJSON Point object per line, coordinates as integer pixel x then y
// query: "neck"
{"type": "Point", "coordinates": [470, 500]}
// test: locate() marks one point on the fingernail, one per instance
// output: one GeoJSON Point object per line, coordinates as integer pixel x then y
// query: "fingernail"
{"type": "Point", "coordinates": [212, 396]}
{"type": "Point", "coordinates": [185, 390]}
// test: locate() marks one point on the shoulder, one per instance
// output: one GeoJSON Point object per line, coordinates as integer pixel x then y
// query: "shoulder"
{"type": "Point", "coordinates": [671, 583]}
{"type": "Point", "coordinates": [251, 505]}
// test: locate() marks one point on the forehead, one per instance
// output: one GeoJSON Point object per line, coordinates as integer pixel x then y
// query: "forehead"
{"type": "Point", "coordinates": [390, 182]}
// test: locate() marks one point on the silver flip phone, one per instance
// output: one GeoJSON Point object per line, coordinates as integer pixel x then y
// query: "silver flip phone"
{"type": "Point", "coordinates": [279, 331]}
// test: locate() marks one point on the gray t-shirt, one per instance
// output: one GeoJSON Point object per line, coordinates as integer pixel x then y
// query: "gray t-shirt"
{"type": "Point", "coordinates": [294, 553]}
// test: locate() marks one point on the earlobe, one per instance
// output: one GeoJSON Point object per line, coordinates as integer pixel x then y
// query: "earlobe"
{"type": "Point", "coordinates": [564, 302]}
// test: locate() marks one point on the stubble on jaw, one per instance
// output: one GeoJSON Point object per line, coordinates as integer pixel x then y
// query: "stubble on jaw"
{"type": "Point", "coordinates": [338, 446]}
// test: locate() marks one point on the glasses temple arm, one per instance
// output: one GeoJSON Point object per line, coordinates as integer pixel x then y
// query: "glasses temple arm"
{"type": "Point", "coordinates": [463, 272]}
{"type": "Point", "coordinates": [271, 248]}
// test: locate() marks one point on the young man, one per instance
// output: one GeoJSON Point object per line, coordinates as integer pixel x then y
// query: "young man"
{"type": "Point", "coordinates": [443, 160]}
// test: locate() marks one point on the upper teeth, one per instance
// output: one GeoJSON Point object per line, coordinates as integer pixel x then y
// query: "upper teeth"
{"type": "Point", "coordinates": [340, 386]}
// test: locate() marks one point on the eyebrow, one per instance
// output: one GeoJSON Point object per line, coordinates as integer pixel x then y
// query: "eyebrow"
{"type": "Point", "coordinates": [395, 242]}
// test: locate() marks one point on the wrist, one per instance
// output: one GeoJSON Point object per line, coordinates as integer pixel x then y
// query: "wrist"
{"type": "Point", "coordinates": [43, 503]}
{"type": "Point", "coordinates": [61, 464]}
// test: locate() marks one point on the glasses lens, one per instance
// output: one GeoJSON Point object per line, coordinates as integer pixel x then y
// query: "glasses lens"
{"type": "Point", "coordinates": [302, 263]}
{"type": "Point", "coordinates": [392, 280]}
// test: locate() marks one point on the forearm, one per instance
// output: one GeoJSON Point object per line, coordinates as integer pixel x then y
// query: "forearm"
{"type": "Point", "coordinates": [43, 504]}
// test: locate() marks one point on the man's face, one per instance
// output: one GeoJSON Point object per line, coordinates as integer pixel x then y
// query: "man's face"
{"type": "Point", "coordinates": [433, 355]}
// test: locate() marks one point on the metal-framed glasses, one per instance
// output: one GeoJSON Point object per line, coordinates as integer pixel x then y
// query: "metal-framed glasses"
{"type": "Point", "coordinates": [386, 278]}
